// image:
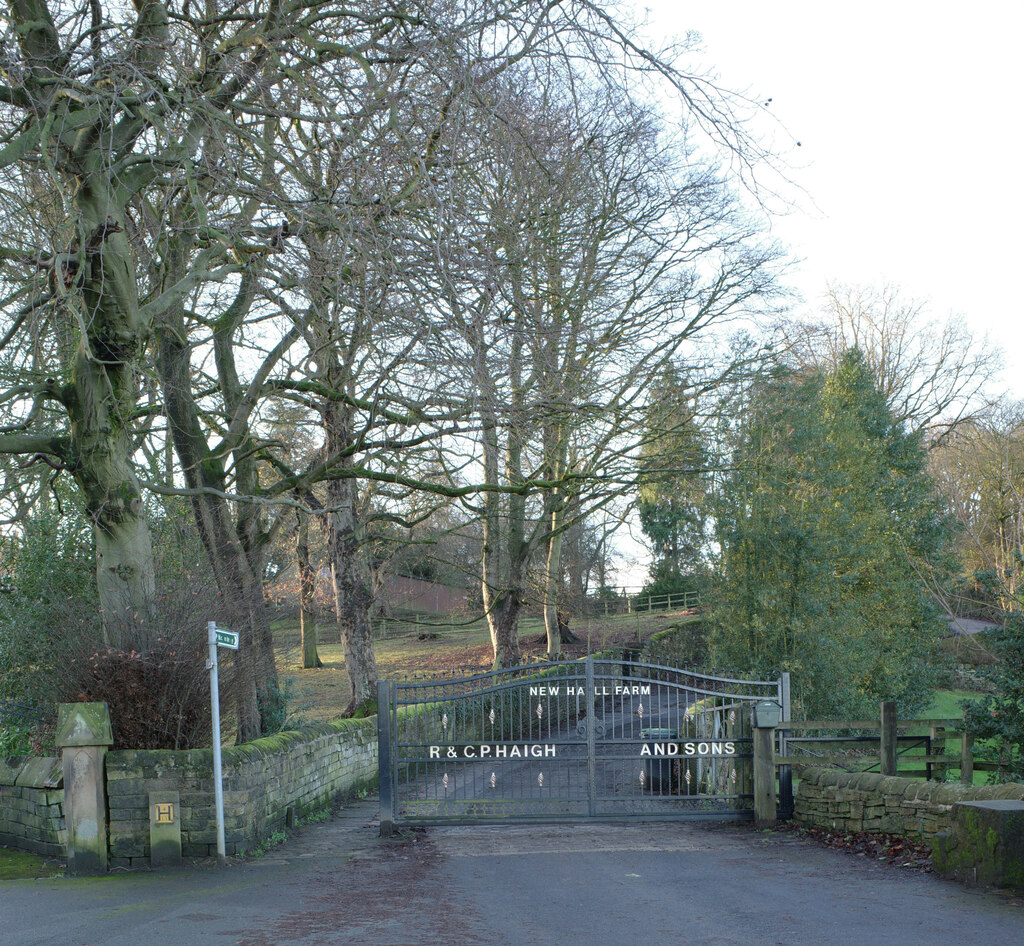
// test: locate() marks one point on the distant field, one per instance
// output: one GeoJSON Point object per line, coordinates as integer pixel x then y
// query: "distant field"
{"type": "Point", "coordinates": [323, 693]}
{"type": "Point", "coordinates": [946, 703]}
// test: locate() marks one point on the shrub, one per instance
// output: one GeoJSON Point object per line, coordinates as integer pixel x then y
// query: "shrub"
{"type": "Point", "coordinates": [14, 741]}
{"type": "Point", "coordinates": [157, 700]}
{"type": "Point", "coordinates": [685, 645]}
{"type": "Point", "coordinates": [999, 717]}
{"type": "Point", "coordinates": [49, 598]}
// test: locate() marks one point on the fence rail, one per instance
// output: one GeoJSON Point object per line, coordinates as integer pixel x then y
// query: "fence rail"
{"type": "Point", "coordinates": [892, 751]}
{"type": "Point", "coordinates": [633, 604]}
{"type": "Point", "coordinates": [14, 713]}
{"type": "Point", "coordinates": [449, 625]}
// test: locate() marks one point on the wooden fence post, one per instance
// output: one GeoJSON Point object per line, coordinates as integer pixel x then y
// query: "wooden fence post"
{"type": "Point", "coordinates": [765, 801]}
{"type": "Point", "coordinates": [937, 771]}
{"type": "Point", "coordinates": [887, 742]}
{"type": "Point", "coordinates": [966, 757]}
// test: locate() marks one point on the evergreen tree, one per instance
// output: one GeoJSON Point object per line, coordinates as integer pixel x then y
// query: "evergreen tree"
{"type": "Point", "coordinates": [824, 528]}
{"type": "Point", "coordinates": [672, 504]}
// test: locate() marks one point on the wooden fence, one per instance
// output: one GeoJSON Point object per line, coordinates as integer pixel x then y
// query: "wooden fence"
{"type": "Point", "coordinates": [448, 625]}
{"type": "Point", "coordinates": [633, 604]}
{"type": "Point", "coordinates": [891, 746]}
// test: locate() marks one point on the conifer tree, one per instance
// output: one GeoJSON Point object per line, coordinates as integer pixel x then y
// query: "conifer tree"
{"type": "Point", "coordinates": [824, 528]}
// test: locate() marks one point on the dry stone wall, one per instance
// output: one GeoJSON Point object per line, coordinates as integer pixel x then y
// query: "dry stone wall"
{"type": "Point", "coordinates": [32, 806]}
{"type": "Point", "coordinates": [849, 801]}
{"type": "Point", "coordinates": [301, 770]}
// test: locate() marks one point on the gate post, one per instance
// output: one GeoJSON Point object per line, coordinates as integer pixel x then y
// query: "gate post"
{"type": "Point", "coordinates": [385, 714]}
{"type": "Point", "coordinates": [887, 740]}
{"type": "Point", "coordinates": [765, 802]}
{"type": "Point", "coordinates": [785, 771]}
{"type": "Point", "coordinates": [83, 736]}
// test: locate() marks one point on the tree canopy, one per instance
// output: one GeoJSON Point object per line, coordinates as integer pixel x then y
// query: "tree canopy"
{"type": "Point", "coordinates": [824, 527]}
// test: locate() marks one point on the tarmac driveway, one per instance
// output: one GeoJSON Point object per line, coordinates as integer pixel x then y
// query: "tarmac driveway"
{"type": "Point", "coordinates": [561, 884]}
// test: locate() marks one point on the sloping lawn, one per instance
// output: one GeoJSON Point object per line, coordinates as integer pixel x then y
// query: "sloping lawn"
{"type": "Point", "coordinates": [20, 865]}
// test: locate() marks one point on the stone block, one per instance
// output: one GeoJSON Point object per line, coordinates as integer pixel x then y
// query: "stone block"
{"type": "Point", "coordinates": [127, 846]}
{"type": "Point", "coordinates": [126, 803]}
{"type": "Point", "coordinates": [85, 805]}
{"type": "Point", "coordinates": [164, 829]}
{"type": "Point", "coordinates": [947, 794]}
{"type": "Point", "coordinates": [83, 724]}
{"type": "Point", "coordinates": [41, 772]}
{"type": "Point", "coordinates": [985, 843]}
{"type": "Point", "coordinates": [10, 769]}
{"type": "Point", "coordinates": [1010, 791]}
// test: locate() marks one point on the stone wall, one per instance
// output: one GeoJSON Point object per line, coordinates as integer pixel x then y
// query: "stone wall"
{"type": "Point", "coordinates": [32, 806]}
{"type": "Point", "coordinates": [845, 801]}
{"type": "Point", "coordinates": [301, 770]}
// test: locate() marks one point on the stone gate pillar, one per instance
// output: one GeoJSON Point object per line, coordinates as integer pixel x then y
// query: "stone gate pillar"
{"type": "Point", "coordinates": [83, 736]}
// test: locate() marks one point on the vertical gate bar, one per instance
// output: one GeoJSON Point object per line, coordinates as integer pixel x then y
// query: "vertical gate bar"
{"type": "Point", "coordinates": [385, 715]}
{"type": "Point", "coordinates": [785, 771]}
{"type": "Point", "coordinates": [591, 739]}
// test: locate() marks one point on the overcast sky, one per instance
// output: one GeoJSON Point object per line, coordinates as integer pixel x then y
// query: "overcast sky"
{"type": "Point", "coordinates": [909, 118]}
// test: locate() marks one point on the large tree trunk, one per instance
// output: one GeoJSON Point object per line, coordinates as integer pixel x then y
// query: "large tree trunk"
{"type": "Point", "coordinates": [552, 573]}
{"type": "Point", "coordinates": [556, 448]}
{"type": "Point", "coordinates": [104, 395]}
{"type": "Point", "coordinates": [240, 589]}
{"type": "Point", "coordinates": [247, 524]}
{"type": "Point", "coordinates": [307, 585]}
{"type": "Point", "coordinates": [502, 599]}
{"type": "Point", "coordinates": [352, 595]}
{"type": "Point", "coordinates": [575, 569]}
{"type": "Point", "coordinates": [125, 578]}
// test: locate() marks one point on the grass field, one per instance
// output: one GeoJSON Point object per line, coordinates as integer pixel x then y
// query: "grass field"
{"type": "Point", "coordinates": [946, 704]}
{"type": "Point", "coordinates": [20, 865]}
{"type": "Point", "coordinates": [432, 645]}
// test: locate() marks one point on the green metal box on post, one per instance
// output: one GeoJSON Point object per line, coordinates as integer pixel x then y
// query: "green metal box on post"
{"type": "Point", "coordinates": [767, 715]}
{"type": "Point", "coordinates": [765, 718]}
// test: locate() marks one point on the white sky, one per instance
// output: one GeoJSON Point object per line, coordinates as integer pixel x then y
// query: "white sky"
{"type": "Point", "coordinates": [909, 116]}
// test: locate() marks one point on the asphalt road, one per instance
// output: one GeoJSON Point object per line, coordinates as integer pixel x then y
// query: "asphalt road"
{"type": "Point", "coordinates": [337, 883]}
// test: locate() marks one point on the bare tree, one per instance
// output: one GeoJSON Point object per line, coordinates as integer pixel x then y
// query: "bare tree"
{"type": "Point", "coordinates": [933, 375]}
{"type": "Point", "coordinates": [979, 470]}
{"type": "Point", "coordinates": [155, 161]}
{"type": "Point", "coordinates": [582, 250]}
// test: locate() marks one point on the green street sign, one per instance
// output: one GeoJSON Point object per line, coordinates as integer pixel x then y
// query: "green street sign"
{"type": "Point", "coordinates": [227, 639]}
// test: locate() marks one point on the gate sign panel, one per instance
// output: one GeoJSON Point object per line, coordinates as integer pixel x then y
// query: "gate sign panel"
{"type": "Point", "coordinates": [567, 740]}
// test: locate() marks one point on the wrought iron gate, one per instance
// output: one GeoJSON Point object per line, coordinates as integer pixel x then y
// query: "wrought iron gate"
{"type": "Point", "coordinates": [603, 737]}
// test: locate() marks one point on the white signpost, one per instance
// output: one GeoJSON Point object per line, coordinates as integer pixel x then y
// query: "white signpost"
{"type": "Point", "coordinates": [218, 637]}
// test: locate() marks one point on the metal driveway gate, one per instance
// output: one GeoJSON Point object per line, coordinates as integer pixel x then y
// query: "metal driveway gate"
{"type": "Point", "coordinates": [603, 737]}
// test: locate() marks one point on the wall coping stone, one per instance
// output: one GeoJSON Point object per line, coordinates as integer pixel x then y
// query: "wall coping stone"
{"type": "Point", "coordinates": [41, 772]}
{"type": "Point", "coordinates": [83, 724]}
